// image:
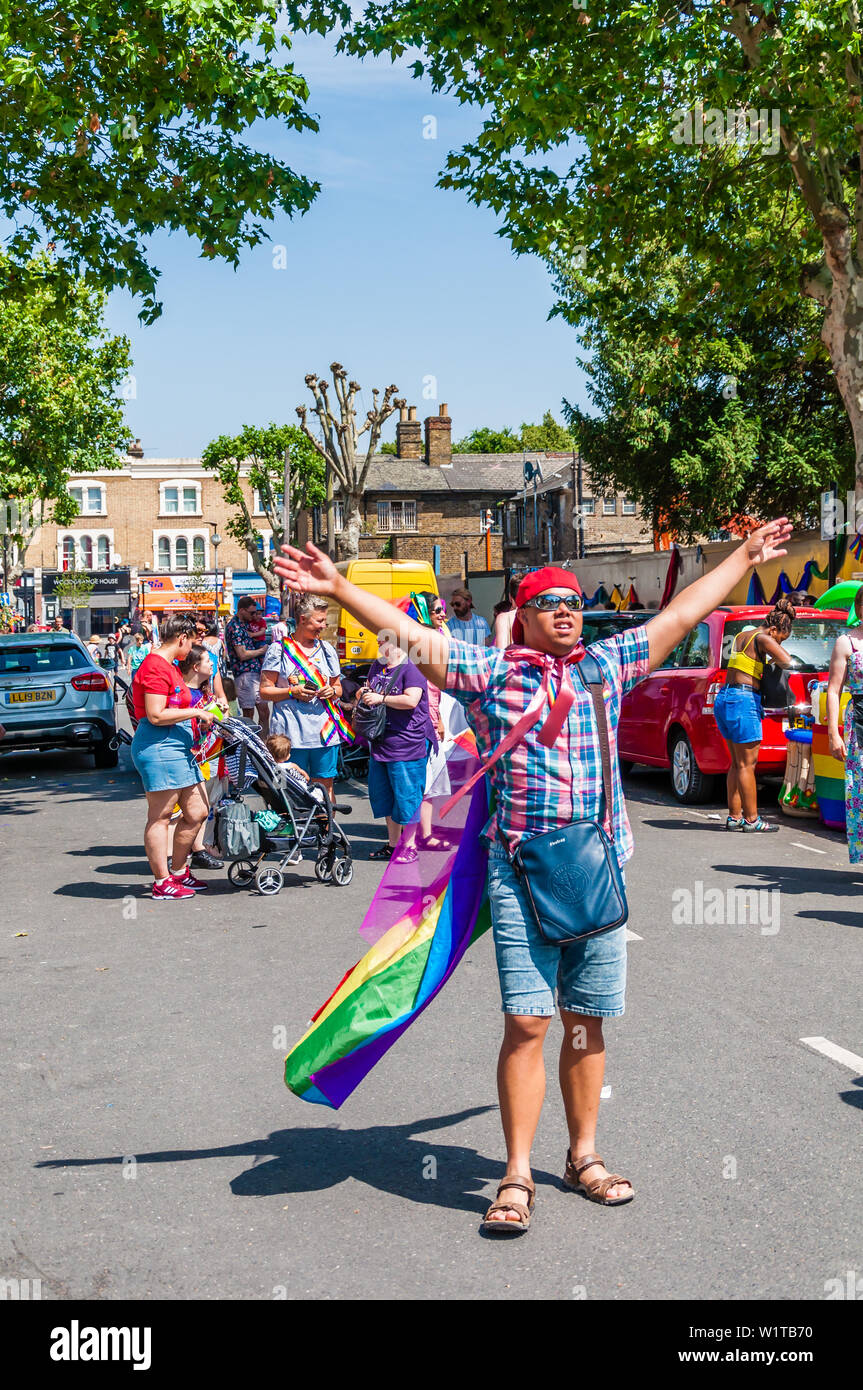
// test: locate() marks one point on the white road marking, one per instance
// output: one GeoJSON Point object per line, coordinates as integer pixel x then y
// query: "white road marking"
{"type": "Point", "coordinates": [605, 1093]}
{"type": "Point", "coordinates": [837, 1054]}
{"type": "Point", "coordinates": [798, 845]}
{"type": "Point", "coordinates": [632, 936]}
{"type": "Point", "coordinates": [701, 815]}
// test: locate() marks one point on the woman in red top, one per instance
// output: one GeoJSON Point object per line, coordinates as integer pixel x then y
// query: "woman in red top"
{"type": "Point", "coordinates": [162, 753]}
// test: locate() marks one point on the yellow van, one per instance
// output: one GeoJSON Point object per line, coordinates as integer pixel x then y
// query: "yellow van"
{"type": "Point", "coordinates": [391, 579]}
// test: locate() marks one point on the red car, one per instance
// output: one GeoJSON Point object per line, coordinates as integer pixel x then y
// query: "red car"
{"type": "Point", "coordinates": [667, 719]}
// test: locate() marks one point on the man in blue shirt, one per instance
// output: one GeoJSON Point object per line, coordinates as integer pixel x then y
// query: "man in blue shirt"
{"type": "Point", "coordinates": [465, 625]}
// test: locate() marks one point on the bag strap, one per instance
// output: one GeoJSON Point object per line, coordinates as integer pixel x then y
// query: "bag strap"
{"type": "Point", "coordinates": [591, 678]}
{"type": "Point", "coordinates": [515, 735]}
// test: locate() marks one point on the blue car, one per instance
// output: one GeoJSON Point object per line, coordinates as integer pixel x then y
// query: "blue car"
{"type": "Point", "coordinates": [53, 695]}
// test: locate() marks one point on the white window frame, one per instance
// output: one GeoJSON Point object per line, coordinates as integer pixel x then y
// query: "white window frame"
{"type": "Point", "coordinates": [179, 484]}
{"type": "Point", "coordinates": [81, 485]}
{"type": "Point", "coordinates": [257, 508]}
{"type": "Point", "coordinates": [588, 506]}
{"type": "Point", "coordinates": [77, 536]}
{"type": "Point", "coordinates": [609, 506]}
{"type": "Point", "coordinates": [158, 565]}
{"type": "Point", "coordinates": [189, 536]}
{"type": "Point", "coordinates": [388, 528]}
{"type": "Point", "coordinates": [628, 507]}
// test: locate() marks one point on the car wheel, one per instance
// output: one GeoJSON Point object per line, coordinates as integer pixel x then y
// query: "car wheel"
{"type": "Point", "coordinates": [106, 756]}
{"type": "Point", "coordinates": [688, 782]}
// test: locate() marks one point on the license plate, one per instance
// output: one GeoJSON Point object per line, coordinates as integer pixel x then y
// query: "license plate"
{"type": "Point", "coordinates": [31, 697]}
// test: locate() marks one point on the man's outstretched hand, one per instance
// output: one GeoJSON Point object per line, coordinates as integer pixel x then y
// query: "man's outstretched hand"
{"type": "Point", "coordinates": [309, 572]}
{"type": "Point", "coordinates": [764, 544]}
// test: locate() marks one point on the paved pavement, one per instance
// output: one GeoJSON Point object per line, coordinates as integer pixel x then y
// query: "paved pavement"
{"type": "Point", "coordinates": [153, 1152]}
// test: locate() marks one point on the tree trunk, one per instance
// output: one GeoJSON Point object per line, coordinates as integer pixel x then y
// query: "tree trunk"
{"type": "Point", "coordinates": [349, 537]}
{"type": "Point", "coordinates": [842, 335]}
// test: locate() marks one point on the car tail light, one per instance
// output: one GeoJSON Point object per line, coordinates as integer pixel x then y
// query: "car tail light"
{"type": "Point", "coordinates": [713, 690]}
{"type": "Point", "coordinates": [342, 644]}
{"type": "Point", "coordinates": [92, 680]}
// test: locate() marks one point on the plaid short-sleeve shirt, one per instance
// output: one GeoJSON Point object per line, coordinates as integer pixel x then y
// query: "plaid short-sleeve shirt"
{"type": "Point", "coordinates": [538, 788]}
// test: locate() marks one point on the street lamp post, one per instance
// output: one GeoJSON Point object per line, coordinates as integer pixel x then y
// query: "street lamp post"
{"type": "Point", "coordinates": [216, 540]}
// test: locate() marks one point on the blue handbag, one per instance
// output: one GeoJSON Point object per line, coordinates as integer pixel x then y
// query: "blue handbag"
{"type": "Point", "coordinates": [570, 875]}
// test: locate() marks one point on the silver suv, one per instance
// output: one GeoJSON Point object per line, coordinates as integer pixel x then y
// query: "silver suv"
{"type": "Point", "coordinates": [53, 695]}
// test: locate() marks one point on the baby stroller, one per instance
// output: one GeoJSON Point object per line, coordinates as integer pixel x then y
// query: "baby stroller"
{"type": "Point", "coordinates": [305, 818]}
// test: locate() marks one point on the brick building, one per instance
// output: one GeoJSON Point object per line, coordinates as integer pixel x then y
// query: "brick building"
{"type": "Point", "coordinates": [141, 529]}
{"type": "Point", "coordinates": [427, 503]}
{"type": "Point", "coordinates": [540, 525]}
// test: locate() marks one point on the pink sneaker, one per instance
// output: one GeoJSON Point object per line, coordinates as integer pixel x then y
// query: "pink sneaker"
{"type": "Point", "coordinates": [171, 888]}
{"type": "Point", "coordinates": [187, 880]}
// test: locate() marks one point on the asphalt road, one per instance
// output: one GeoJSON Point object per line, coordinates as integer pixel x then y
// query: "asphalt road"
{"type": "Point", "coordinates": [152, 1150]}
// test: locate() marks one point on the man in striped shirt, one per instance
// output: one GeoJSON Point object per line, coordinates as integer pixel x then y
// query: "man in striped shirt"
{"type": "Point", "coordinates": [540, 788]}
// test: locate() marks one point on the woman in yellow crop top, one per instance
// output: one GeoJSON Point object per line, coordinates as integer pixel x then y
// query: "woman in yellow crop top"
{"type": "Point", "coordinates": [738, 710]}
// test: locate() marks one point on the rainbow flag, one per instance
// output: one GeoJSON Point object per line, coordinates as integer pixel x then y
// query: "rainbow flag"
{"type": "Point", "coordinates": [335, 722]}
{"type": "Point", "coordinates": [409, 962]}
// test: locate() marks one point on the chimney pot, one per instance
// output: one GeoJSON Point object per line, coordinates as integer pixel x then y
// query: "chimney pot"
{"type": "Point", "coordinates": [438, 439]}
{"type": "Point", "coordinates": [409, 435]}
{"type": "Point", "coordinates": [135, 450]}
{"type": "Point", "coordinates": [403, 412]}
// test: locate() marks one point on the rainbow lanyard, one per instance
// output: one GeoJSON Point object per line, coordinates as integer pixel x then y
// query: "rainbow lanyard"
{"type": "Point", "coordinates": [334, 724]}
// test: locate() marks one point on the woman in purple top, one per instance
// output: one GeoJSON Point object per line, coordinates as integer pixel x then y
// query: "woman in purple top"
{"type": "Point", "coordinates": [397, 767]}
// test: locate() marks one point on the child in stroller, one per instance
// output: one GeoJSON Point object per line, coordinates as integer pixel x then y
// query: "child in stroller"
{"type": "Point", "coordinates": [305, 819]}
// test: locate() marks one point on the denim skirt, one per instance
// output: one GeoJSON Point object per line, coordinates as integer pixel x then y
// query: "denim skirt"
{"type": "Point", "coordinates": [163, 757]}
{"type": "Point", "coordinates": [738, 714]}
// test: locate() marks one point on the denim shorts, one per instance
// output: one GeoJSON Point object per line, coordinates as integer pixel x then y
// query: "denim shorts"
{"type": "Point", "coordinates": [396, 789]}
{"type": "Point", "coordinates": [590, 975]}
{"type": "Point", "coordinates": [317, 762]}
{"type": "Point", "coordinates": [738, 714]}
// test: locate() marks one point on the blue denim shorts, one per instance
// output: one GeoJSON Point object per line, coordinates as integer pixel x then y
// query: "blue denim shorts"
{"type": "Point", "coordinates": [317, 762]}
{"type": "Point", "coordinates": [590, 975]}
{"type": "Point", "coordinates": [738, 714]}
{"type": "Point", "coordinates": [396, 789]}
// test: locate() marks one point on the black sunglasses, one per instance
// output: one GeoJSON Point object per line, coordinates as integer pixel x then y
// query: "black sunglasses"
{"type": "Point", "coordinates": [547, 603]}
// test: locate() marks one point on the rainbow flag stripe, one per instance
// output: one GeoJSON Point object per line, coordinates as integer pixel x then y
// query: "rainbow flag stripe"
{"type": "Point", "coordinates": [400, 975]}
{"type": "Point", "coordinates": [335, 726]}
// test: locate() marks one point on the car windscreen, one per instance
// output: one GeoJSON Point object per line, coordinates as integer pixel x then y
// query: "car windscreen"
{"type": "Point", "coordinates": [811, 640]}
{"type": "Point", "coordinates": [41, 660]}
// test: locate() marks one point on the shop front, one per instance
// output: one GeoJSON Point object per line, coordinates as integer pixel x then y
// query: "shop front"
{"type": "Point", "coordinates": [176, 593]}
{"type": "Point", "coordinates": [99, 612]}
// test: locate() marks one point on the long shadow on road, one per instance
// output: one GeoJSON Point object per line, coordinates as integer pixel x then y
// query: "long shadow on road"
{"type": "Point", "coordinates": [390, 1158]}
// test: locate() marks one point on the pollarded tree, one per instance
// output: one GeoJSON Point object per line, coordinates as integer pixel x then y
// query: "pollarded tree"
{"type": "Point", "coordinates": [261, 451]}
{"type": "Point", "coordinates": [339, 447]}
{"type": "Point", "coordinates": [730, 133]}
{"type": "Point", "coordinates": [120, 119]}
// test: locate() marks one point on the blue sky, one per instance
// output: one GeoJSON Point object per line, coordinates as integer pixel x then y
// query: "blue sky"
{"type": "Point", "coordinates": [391, 276]}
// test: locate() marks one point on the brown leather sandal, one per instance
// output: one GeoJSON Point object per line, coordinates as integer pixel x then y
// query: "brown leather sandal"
{"type": "Point", "coordinates": [597, 1190]}
{"type": "Point", "coordinates": [511, 1228]}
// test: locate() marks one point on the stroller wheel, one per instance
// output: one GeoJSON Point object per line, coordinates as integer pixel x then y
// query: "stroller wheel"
{"type": "Point", "coordinates": [324, 868]}
{"type": "Point", "coordinates": [269, 879]}
{"type": "Point", "coordinates": [343, 872]}
{"type": "Point", "coordinates": [241, 873]}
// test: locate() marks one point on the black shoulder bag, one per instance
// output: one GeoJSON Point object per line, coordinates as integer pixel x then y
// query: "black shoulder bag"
{"type": "Point", "coordinates": [370, 721]}
{"type": "Point", "coordinates": [571, 875]}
